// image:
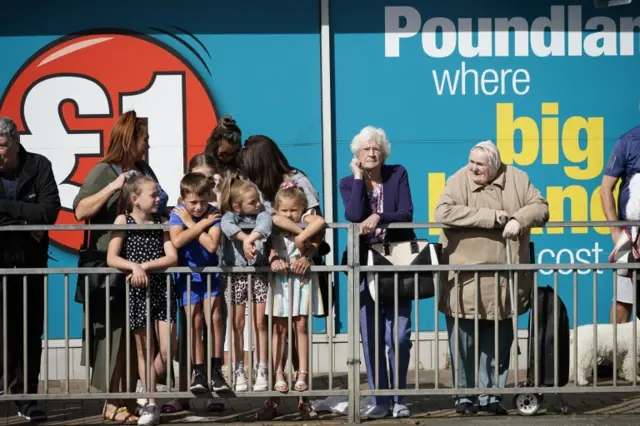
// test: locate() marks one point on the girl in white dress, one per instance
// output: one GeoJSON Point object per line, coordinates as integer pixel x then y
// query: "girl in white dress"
{"type": "Point", "coordinates": [295, 288]}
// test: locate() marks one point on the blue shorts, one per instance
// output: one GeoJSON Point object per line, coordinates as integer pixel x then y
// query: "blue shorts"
{"type": "Point", "coordinates": [198, 290]}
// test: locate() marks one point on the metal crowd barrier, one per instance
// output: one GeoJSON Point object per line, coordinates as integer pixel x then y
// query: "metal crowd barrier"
{"type": "Point", "coordinates": [355, 273]}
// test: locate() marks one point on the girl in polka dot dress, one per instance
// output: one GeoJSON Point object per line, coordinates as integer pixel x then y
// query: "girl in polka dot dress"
{"type": "Point", "coordinates": [138, 253]}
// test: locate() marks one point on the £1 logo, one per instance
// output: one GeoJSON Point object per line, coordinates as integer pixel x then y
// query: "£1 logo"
{"type": "Point", "coordinates": [66, 98]}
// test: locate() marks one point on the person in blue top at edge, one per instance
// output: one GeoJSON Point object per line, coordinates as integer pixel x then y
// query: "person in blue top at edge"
{"type": "Point", "coordinates": [624, 162]}
{"type": "Point", "coordinates": [195, 231]}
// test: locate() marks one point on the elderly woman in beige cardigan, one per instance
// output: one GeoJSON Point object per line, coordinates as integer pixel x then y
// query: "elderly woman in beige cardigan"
{"type": "Point", "coordinates": [483, 204]}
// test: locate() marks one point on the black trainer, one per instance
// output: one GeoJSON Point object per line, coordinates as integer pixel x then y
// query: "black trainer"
{"type": "Point", "coordinates": [494, 408]}
{"type": "Point", "coordinates": [466, 409]}
{"type": "Point", "coordinates": [218, 383]}
{"type": "Point", "coordinates": [198, 383]}
{"type": "Point", "coordinates": [32, 413]}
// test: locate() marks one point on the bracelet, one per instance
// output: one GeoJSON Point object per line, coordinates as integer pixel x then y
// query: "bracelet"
{"type": "Point", "coordinates": [274, 258]}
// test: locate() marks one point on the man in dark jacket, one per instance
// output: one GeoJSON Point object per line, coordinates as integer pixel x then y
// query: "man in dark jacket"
{"type": "Point", "coordinates": [28, 196]}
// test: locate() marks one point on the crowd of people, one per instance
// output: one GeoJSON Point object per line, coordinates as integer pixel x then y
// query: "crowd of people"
{"type": "Point", "coordinates": [245, 205]}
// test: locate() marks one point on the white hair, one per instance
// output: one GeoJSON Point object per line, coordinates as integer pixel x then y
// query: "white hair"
{"type": "Point", "coordinates": [493, 155]}
{"type": "Point", "coordinates": [372, 134]}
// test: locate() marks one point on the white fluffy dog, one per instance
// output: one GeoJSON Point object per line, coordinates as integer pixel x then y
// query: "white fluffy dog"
{"type": "Point", "coordinates": [604, 350]}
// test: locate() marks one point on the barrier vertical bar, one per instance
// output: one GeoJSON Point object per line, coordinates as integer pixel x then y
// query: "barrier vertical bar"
{"type": "Point", "coordinates": [46, 334]}
{"type": "Point", "coordinates": [330, 330]}
{"type": "Point", "coordinates": [87, 345]}
{"type": "Point", "coordinates": [615, 334]}
{"type": "Point", "coordinates": [575, 328]}
{"type": "Point", "coordinates": [416, 366]}
{"type": "Point", "coordinates": [66, 332]}
{"type": "Point", "coordinates": [634, 316]}
{"type": "Point", "coordinates": [376, 331]}
{"type": "Point", "coordinates": [170, 349]}
{"type": "Point", "coordinates": [476, 331]}
{"type": "Point", "coordinates": [107, 291]}
{"type": "Point", "coordinates": [436, 327]}
{"type": "Point", "coordinates": [5, 339]}
{"type": "Point", "coordinates": [127, 333]}
{"type": "Point", "coordinates": [395, 331]}
{"type": "Point", "coordinates": [251, 306]}
{"type": "Point", "coordinates": [555, 330]}
{"type": "Point", "coordinates": [595, 330]}
{"type": "Point", "coordinates": [25, 348]}
{"type": "Point", "coordinates": [353, 284]}
{"type": "Point", "coordinates": [536, 347]}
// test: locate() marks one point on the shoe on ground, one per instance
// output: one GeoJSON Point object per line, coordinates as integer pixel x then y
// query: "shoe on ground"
{"type": "Point", "coordinates": [198, 383]}
{"type": "Point", "coordinates": [377, 412]}
{"type": "Point", "coordinates": [150, 416]}
{"type": "Point", "coordinates": [494, 408]}
{"type": "Point", "coordinates": [466, 409]}
{"type": "Point", "coordinates": [32, 413]}
{"type": "Point", "coordinates": [218, 383]}
{"type": "Point", "coordinates": [401, 411]}
{"type": "Point", "coordinates": [262, 381]}
{"type": "Point", "coordinates": [240, 380]}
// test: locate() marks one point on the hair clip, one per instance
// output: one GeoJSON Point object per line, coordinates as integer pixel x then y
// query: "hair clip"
{"type": "Point", "coordinates": [289, 185]}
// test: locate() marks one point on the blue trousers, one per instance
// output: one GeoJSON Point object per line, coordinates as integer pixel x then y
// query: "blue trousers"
{"type": "Point", "coordinates": [386, 329]}
{"type": "Point", "coordinates": [466, 360]}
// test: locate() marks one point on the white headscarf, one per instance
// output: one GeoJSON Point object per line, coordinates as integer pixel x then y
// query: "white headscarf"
{"type": "Point", "coordinates": [492, 154]}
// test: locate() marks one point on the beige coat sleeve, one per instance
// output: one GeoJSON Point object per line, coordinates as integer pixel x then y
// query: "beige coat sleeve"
{"type": "Point", "coordinates": [452, 209]}
{"type": "Point", "coordinates": [535, 209]}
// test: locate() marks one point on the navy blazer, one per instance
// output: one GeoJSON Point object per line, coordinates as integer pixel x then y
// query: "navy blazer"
{"type": "Point", "coordinates": [397, 204]}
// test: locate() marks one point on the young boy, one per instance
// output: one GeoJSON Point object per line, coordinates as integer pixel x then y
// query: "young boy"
{"type": "Point", "coordinates": [195, 232]}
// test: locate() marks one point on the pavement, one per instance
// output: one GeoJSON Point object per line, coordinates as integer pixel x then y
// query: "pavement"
{"type": "Point", "coordinates": [585, 409]}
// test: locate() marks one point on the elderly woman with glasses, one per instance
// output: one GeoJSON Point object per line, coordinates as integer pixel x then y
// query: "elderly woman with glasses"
{"type": "Point", "coordinates": [483, 204]}
{"type": "Point", "coordinates": [377, 193]}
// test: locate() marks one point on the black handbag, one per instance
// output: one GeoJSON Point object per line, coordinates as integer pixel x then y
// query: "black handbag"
{"type": "Point", "coordinates": [403, 253]}
{"type": "Point", "coordinates": [90, 258]}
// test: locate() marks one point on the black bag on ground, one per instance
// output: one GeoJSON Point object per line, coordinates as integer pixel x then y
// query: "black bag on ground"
{"type": "Point", "coordinates": [404, 253]}
{"type": "Point", "coordinates": [546, 330]}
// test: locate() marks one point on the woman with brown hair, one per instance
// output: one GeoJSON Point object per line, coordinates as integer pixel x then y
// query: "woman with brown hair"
{"type": "Point", "coordinates": [224, 145]}
{"type": "Point", "coordinates": [99, 202]}
{"type": "Point", "coordinates": [264, 164]}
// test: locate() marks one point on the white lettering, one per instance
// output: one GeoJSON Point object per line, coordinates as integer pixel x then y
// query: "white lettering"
{"type": "Point", "coordinates": [162, 103]}
{"type": "Point", "coordinates": [393, 32]}
{"type": "Point", "coordinates": [466, 47]}
{"type": "Point", "coordinates": [539, 33]}
{"type": "Point", "coordinates": [430, 33]}
{"type": "Point", "coordinates": [488, 82]}
{"type": "Point", "coordinates": [559, 34]}
{"type": "Point", "coordinates": [446, 78]}
{"type": "Point", "coordinates": [47, 133]}
{"type": "Point", "coordinates": [602, 42]}
{"type": "Point", "coordinates": [521, 36]}
{"type": "Point", "coordinates": [628, 28]}
{"type": "Point", "coordinates": [567, 256]}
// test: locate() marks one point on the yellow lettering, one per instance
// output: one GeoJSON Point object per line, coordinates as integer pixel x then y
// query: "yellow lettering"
{"type": "Point", "coordinates": [435, 187]}
{"type": "Point", "coordinates": [506, 128]}
{"type": "Point", "coordinates": [593, 152]}
{"type": "Point", "coordinates": [577, 196]}
{"type": "Point", "coordinates": [550, 132]}
{"type": "Point", "coordinates": [586, 156]}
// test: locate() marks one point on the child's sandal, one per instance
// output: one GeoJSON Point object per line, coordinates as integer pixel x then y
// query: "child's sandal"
{"type": "Point", "coordinates": [281, 385]}
{"type": "Point", "coordinates": [301, 385]}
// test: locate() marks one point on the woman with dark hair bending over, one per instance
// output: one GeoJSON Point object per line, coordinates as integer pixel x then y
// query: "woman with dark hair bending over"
{"type": "Point", "coordinates": [224, 145]}
{"type": "Point", "coordinates": [265, 165]}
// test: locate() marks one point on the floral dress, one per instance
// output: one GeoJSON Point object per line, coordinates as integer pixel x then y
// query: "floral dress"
{"type": "Point", "coordinates": [292, 292]}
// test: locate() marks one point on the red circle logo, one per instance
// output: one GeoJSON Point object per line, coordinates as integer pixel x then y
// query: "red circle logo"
{"type": "Point", "coordinates": [67, 96]}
